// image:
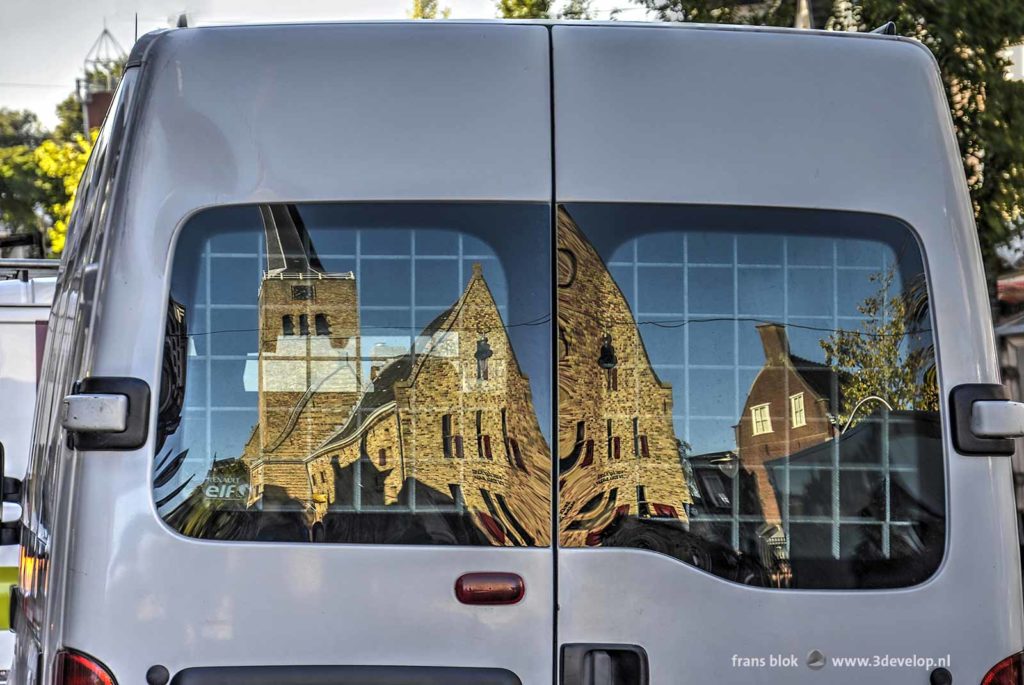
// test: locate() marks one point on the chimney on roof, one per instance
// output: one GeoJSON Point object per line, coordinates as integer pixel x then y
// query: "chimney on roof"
{"type": "Point", "coordinates": [775, 343]}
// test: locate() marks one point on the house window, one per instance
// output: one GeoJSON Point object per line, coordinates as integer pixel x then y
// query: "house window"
{"type": "Point", "coordinates": [520, 462]}
{"type": "Point", "coordinates": [303, 324]}
{"type": "Point", "coordinates": [479, 434]}
{"type": "Point", "coordinates": [760, 419]}
{"type": "Point", "coordinates": [504, 435]}
{"type": "Point", "coordinates": [645, 449]}
{"type": "Point", "coordinates": [796, 410]}
{"type": "Point", "coordinates": [487, 447]}
{"type": "Point", "coordinates": [636, 437]}
{"type": "Point", "coordinates": [383, 456]}
{"type": "Point", "coordinates": [287, 326]}
{"type": "Point", "coordinates": [446, 435]}
{"type": "Point", "coordinates": [322, 327]}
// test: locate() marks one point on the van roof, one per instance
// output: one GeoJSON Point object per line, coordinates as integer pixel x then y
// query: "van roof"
{"type": "Point", "coordinates": [138, 50]}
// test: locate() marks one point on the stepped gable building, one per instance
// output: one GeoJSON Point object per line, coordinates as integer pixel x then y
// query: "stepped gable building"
{"type": "Point", "coordinates": [789, 408]}
{"type": "Point", "coordinates": [619, 454]}
{"type": "Point", "coordinates": [449, 426]}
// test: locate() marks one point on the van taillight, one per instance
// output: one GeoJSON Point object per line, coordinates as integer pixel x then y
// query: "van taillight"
{"type": "Point", "coordinates": [1009, 671]}
{"type": "Point", "coordinates": [73, 668]}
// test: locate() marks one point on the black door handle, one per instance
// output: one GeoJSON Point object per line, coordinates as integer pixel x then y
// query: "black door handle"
{"type": "Point", "coordinates": [602, 664]}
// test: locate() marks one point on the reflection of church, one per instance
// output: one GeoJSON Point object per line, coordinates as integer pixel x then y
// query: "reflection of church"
{"type": "Point", "coordinates": [449, 428]}
{"type": "Point", "coordinates": [619, 455]}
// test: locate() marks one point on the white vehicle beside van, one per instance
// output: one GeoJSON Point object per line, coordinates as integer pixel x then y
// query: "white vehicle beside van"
{"type": "Point", "coordinates": [26, 291]}
{"type": "Point", "coordinates": [520, 353]}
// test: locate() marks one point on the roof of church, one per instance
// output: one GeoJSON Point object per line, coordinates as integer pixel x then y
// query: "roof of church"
{"type": "Point", "coordinates": [404, 367]}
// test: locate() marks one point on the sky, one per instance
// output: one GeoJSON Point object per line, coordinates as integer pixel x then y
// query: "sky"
{"type": "Point", "coordinates": [43, 43]}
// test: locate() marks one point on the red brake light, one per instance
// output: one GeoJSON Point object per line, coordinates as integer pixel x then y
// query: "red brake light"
{"type": "Point", "coordinates": [1009, 671]}
{"type": "Point", "coordinates": [78, 669]}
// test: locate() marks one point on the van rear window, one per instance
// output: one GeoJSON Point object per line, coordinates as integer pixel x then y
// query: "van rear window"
{"type": "Point", "coordinates": [359, 373]}
{"type": "Point", "coordinates": [751, 391]}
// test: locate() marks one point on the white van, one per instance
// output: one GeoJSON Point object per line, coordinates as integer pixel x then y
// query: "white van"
{"type": "Point", "coordinates": [488, 353]}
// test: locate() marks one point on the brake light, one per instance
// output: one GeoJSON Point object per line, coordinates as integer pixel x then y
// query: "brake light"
{"type": "Point", "coordinates": [1009, 671]}
{"type": "Point", "coordinates": [74, 668]}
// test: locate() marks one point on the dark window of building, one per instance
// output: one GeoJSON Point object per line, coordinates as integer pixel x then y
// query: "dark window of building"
{"type": "Point", "coordinates": [322, 328]}
{"type": "Point", "coordinates": [487, 447]}
{"type": "Point", "coordinates": [287, 325]}
{"type": "Point", "coordinates": [303, 324]}
{"type": "Point", "coordinates": [588, 454]}
{"type": "Point", "coordinates": [645, 450]}
{"type": "Point", "coordinates": [609, 437]}
{"type": "Point", "coordinates": [458, 447]}
{"type": "Point", "coordinates": [636, 437]}
{"type": "Point", "coordinates": [383, 456]}
{"type": "Point", "coordinates": [520, 462]}
{"type": "Point", "coordinates": [615, 442]}
{"type": "Point", "coordinates": [479, 434]}
{"type": "Point", "coordinates": [504, 435]}
{"type": "Point", "coordinates": [446, 435]}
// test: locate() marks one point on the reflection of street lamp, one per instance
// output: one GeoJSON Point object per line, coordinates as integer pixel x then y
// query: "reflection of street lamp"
{"type": "Point", "coordinates": [857, 407]}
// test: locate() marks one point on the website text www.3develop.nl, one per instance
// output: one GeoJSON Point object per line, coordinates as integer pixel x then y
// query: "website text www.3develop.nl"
{"type": "Point", "coordinates": [815, 660]}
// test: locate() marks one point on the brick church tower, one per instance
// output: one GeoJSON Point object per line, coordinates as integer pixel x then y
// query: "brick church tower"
{"type": "Point", "coordinates": [308, 365]}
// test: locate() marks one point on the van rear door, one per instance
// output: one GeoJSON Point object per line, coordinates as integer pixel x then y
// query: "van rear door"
{"type": "Point", "coordinates": [333, 275]}
{"type": "Point", "coordinates": [756, 477]}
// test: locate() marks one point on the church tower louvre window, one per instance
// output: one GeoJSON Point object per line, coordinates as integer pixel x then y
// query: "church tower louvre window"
{"type": "Point", "coordinates": [303, 324]}
{"type": "Point", "coordinates": [322, 327]}
{"type": "Point", "coordinates": [287, 325]}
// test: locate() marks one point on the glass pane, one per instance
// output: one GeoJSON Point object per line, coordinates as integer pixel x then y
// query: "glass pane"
{"type": "Point", "coordinates": [750, 391]}
{"type": "Point", "coordinates": [359, 373]}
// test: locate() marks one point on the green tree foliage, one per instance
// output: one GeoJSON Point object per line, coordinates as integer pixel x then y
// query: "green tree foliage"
{"type": "Point", "coordinates": [22, 190]}
{"type": "Point", "coordinates": [524, 9]}
{"type": "Point", "coordinates": [770, 13]}
{"type": "Point", "coordinates": [427, 9]}
{"type": "Point", "coordinates": [39, 172]}
{"type": "Point", "coordinates": [69, 119]}
{"type": "Point", "coordinates": [969, 40]}
{"type": "Point", "coordinates": [576, 9]}
{"type": "Point", "coordinates": [62, 164]}
{"type": "Point", "coordinates": [890, 355]}
{"type": "Point", "coordinates": [19, 127]}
